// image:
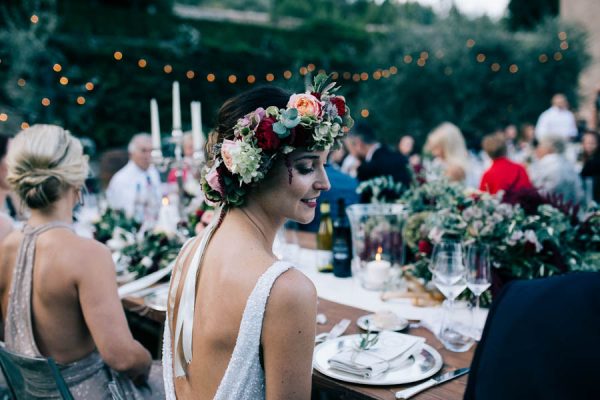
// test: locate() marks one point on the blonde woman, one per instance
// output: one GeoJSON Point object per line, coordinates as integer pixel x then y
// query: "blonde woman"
{"type": "Point", "coordinates": [58, 290]}
{"type": "Point", "coordinates": [447, 145]}
{"type": "Point", "coordinates": [6, 222]}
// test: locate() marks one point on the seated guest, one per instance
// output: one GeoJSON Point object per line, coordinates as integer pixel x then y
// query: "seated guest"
{"type": "Point", "coordinates": [376, 159]}
{"type": "Point", "coordinates": [552, 173]}
{"type": "Point", "coordinates": [406, 147]}
{"type": "Point", "coordinates": [6, 222]}
{"type": "Point", "coordinates": [540, 341]}
{"type": "Point", "coordinates": [447, 145]}
{"type": "Point", "coordinates": [504, 174]}
{"type": "Point", "coordinates": [591, 162]}
{"type": "Point", "coordinates": [557, 120]}
{"type": "Point", "coordinates": [58, 301]}
{"type": "Point", "coordinates": [136, 187]}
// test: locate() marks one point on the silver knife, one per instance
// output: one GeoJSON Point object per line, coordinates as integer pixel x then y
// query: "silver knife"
{"type": "Point", "coordinates": [410, 392]}
{"type": "Point", "coordinates": [336, 331]}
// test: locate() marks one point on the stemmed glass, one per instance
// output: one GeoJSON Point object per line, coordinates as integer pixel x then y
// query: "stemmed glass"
{"type": "Point", "coordinates": [478, 270]}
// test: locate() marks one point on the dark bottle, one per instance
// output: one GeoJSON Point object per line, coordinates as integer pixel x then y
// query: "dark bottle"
{"type": "Point", "coordinates": [342, 243]}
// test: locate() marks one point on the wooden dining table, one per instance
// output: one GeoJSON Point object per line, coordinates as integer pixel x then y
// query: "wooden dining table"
{"type": "Point", "coordinates": [325, 387]}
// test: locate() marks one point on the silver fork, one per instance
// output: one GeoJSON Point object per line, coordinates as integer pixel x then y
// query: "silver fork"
{"type": "Point", "coordinates": [336, 331]}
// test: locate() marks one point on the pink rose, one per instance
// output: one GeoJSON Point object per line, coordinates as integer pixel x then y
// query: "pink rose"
{"type": "Point", "coordinates": [212, 178]}
{"type": "Point", "coordinates": [227, 148]}
{"type": "Point", "coordinates": [306, 104]}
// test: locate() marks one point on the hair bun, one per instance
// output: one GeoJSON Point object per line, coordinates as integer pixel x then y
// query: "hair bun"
{"type": "Point", "coordinates": [39, 191]}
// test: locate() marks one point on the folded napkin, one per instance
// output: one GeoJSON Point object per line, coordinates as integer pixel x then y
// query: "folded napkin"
{"type": "Point", "coordinates": [391, 351]}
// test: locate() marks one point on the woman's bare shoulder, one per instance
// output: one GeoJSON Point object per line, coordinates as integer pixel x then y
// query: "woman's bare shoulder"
{"type": "Point", "coordinates": [293, 291]}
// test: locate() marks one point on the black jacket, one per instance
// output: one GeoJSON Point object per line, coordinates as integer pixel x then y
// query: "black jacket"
{"type": "Point", "coordinates": [383, 163]}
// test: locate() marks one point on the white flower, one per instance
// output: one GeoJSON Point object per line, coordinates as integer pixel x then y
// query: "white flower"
{"type": "Point", "coordinates": [514, 238]}
{"type": "Point", "coordinates": [531, 237]}
{"type": "Point", "coordinates": [435, 235]}
{"type": "Point", "coordinates": [243, 159]}
{"type": "Point", "coordinates": [146, 262]}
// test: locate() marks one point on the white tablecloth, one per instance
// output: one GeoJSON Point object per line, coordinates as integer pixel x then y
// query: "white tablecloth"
{"type": "Point", "coordinates": [348, 291]}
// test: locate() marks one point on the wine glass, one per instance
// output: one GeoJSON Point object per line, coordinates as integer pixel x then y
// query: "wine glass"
{"type": "Point", "coordinates": [444, 248]}
{"type": "Point", "coordinates": [478, 271]}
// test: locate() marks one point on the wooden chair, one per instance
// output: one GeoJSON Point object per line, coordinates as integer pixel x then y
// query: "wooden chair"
{"type": "Point", "coordinates": [33, 378]}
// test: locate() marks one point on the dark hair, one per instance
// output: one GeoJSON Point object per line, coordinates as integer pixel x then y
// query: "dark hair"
{"type": "Point", "coordinates": [240, 105]}
{"type": "Point", "coordinates": [494, 145]}
{"type": "Point", "coordinates": [364, 132]}
{"type": "Point", "coordinates": [3, 145]}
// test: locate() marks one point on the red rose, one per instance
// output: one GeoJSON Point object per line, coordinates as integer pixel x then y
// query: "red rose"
{"type": "Point", "coordinates": [301, 137]}
{"type": "Point", "coordinates": [425, 247]}
{"type": "Point", "coordinates": [266, 138]}
{"type": "Point", "coordinates": [199, 213]}
{"type": "Point", "coordinates": [316, 94]}
{"type": "Point", "coordinates": [340, 104]}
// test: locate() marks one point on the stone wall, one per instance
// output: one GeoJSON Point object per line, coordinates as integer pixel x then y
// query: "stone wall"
{"type": "Point", "coordinates": [586, 13]}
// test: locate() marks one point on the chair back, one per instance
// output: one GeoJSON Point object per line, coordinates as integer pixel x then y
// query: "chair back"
{"type": "Point", "coordinates": [33, 378]}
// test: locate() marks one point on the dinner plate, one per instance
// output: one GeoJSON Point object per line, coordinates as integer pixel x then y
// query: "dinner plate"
{"type": "Point", "coordinates": [366, 323]}
{"type": "Point", "coordinates": [417, 368]}
{"type": "Point", "coordinates": [158, 299]}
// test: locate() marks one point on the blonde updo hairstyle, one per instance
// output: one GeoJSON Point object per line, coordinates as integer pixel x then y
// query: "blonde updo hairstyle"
{"type": "Point", "coordinates": [43, 162]}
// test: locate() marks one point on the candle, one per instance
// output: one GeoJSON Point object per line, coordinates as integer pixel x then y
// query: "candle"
{"type": "Point", "coordinates": [197, 136]}
{"type": "Point", "coordinates": [168, 217]}
{"type": "Point", "coordinates": [176, 109]}
{"type": "Point", "coordinates": [377, 271]}
{"type": "Point", "coordinates": [155, 125]}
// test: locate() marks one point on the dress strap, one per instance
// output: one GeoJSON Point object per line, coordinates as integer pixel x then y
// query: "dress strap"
{"type": "Point", "coordinates": [18, 331]}
{"type": "Point", "coordinates": [184, 324]}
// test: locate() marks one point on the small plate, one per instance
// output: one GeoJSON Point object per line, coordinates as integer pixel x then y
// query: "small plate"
{"type": "Point", "coordinates": [366, 323]}
{"type": "Point", "coordinates": [158, 299]}
{"type": "Point", "coordinates": [419, 367]}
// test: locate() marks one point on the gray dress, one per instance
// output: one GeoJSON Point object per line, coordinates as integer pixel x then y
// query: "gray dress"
{"type": "Point", "coordinates": [88, 378]}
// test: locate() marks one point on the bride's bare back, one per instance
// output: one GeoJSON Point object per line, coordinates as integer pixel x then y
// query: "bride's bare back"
{"type": "Point", "coordinates": [233, 262]}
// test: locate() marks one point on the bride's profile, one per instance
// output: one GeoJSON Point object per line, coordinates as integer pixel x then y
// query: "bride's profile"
{"type": "Point", "coordinates": [240, 323]}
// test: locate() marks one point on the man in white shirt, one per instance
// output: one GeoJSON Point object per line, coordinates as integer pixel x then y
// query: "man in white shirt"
{"type": "Point", "coordinates": [553, 173]}
{"type": "Point", "coordinates": [558, 120]}
{"type": "Point", "coordinates": [135, 188]}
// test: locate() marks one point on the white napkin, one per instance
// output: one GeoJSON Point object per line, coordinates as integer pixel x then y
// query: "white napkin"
{"type": "Point", "coordinates": [144, 282]}
{"type": "Point", "coordinates": [390, 352]}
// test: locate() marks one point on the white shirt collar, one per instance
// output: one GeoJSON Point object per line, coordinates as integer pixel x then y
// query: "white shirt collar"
{"type": "Point", "coordinates": [372, 151]}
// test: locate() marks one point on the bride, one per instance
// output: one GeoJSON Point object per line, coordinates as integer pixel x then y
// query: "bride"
{"type": "Point", "coordinates": [240, 323]}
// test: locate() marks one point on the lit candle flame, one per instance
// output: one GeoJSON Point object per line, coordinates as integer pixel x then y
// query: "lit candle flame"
{"type": "Point", "coordinates": [165, 201]}
{"type": "Point", "coordinates": [378, 255]}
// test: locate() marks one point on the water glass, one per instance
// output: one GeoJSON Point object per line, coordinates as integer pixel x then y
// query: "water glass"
{"type": "Point", "coordinates": [478, 271]}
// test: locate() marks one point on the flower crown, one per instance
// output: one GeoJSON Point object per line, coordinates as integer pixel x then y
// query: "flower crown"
{"type": "Point", "coordinates": [315, 120]}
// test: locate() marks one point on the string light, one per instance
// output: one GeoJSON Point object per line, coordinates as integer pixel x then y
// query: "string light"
{"type": "Point", "coordinates": [118, 55]}
{"type": "Point", "coordinates": [251, 79]}
{"type": "Point", "coordinates": [232, 78]}
{"type": "Point", "coordinates": [421, 62]}
{"type": "Point", "coordinates": [270, 77]}
{"type": "Point", "coordinates": [355, 77]}
{"type": "Point", "coordinates": [57, 67]}
{"type": "Point", "coordinates": [21, 82]}
{"type": "Point", "coordinates": [439, 54]}
{"type": "Point", "coordinates": [89, 86]}
{"type": "Point", "coordinates": [393, 70]}
{"type": "Point", "coordinates": [377, 75]}
{"type": "Point", "coordinates": [287, 74]}
{"type": "Point", "coordinates": [45, 102]}
{"type": "Point", "coordinates": [543, 58]}
{"type": "Point", "coordinates": [385, 73]}
{"type": "Point", "coordinates": [64, 80]}
{"type": "Point", "coordinates": [303, 71]}
{"type": "Point", "coordinates": [562, 35]}
{"type": "Point", "coordinates": [347, 75]}
{"type": "Point", "coordinates": [407, 59]}
{"type": "Point", "coordinates": [81, 100]}
{"type": "Point", "coordinates": [364, 113]}
{"type": "Point", "coordinates": [558, 56]}
{"type": "Point", "coordinates": [24, 125]}
{"type": "Point", "coordinates": [513, 69]}
{"type": "Point", "coordinates": [335, 75]}
{"type": "Point", "coordinates": [364, 76]}
{"type": "Point", "coordinates": [470, 43]}
{"type": "Point", "coordinates": [142, 63]}
{"type": "Point", "coordinates": [322, 71]}
{"type": "Point", "coordinates": [311, 67]}
{"type": "Point", "coordinates": [564, 45]}
{"type": "Point", "coordinates": [3, 117]}
{"type": "Point", "coordinates": [34, 19]}
{"type": "Point", "coordinates": [190, 74]}
{"type": "Point", "coordinates": [168, 69]}
{"type": "Point", "coordinates": [210, 77]}
{"type": "Point", "coordinates": [480, 57]}
{"type": "Point", "coordinates": [495, 67]}
{"type": "Point", "coordinates": [424, 55]}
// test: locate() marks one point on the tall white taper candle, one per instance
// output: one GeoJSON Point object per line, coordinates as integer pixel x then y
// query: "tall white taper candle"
{"type": "Point", "coordinates": [176, 108]}
{"type": "Point", "coordinates": [155, 125]}
{"type": "Point", "coordinates": [197, 136]}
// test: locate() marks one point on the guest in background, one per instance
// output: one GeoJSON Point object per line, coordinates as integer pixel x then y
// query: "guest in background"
{"type": "Point", "coordinates": [553, 173]}
{"type": "Point", "coordinates": [351, 162]}
{"type": "Point", "coordinates": [524, 152]}
{"type": "Point", "coordinates": [136, 187]}
{"type": "Point", "coordinates": [58, 291]}
{"type": "Point", "coordinates": [375, 158]}
{"type": "Point", "coordinates": [188, 155]}
{"type": "Point", "coordinates": [591, 163]}
{"type": "Point", "coordinates": [510, 136]}
{"type": "Point", "coordinates": [6, 222]}
{"type": "Point", "coordinates": [504, 174]}
{"type": "Point", "coordinates": [406, 147]}
{"type": "Point", "coordinates": [447, 145]}
{"type": "Point", "coordinates": [558, 120]}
